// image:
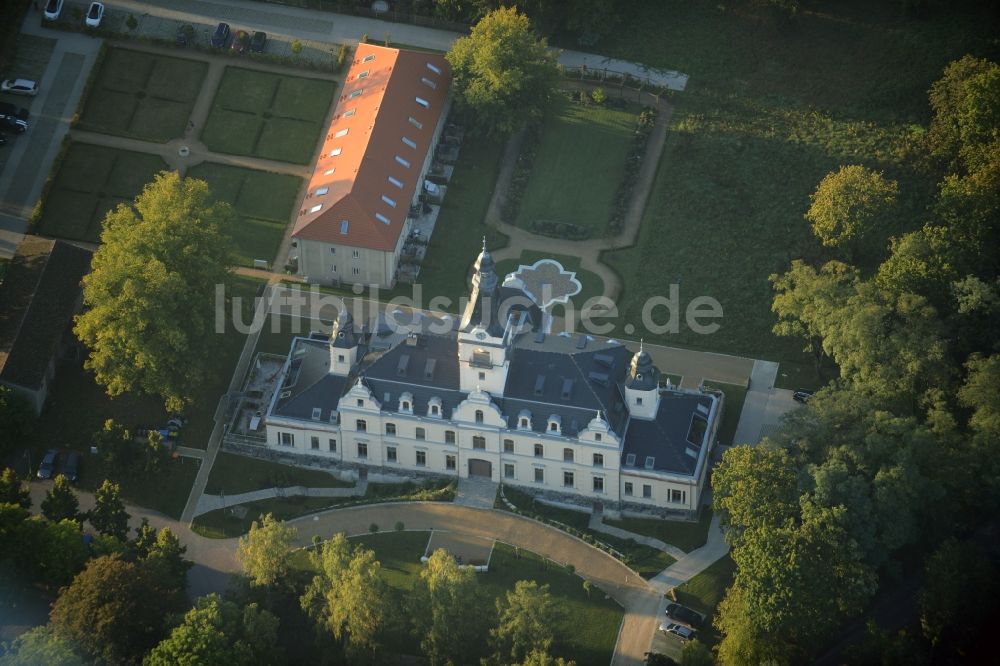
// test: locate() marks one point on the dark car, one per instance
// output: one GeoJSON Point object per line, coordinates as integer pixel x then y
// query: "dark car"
{"type": "Point", "coordinates": [802, 396]}
{"type": "Point", "coordinates": [257, 42]}
{"type": "Point", "coordinates": [70, 467]}
{"type": "Point", "coordinates": [241, 41]}
{"type": "Point", "coordinates": [48, 467]}
{"type": "Point", "coordinates": [220, 36]}
{"type": "Point", "coordinates": [12, 125]}
{"type": "Point", "coordinates": [684, 615]}
{"type": "Point", "coordinates": [13, 117]}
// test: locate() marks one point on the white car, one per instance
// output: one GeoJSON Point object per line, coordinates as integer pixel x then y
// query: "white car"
{"type": "Point", "coordinates": [52, 9]}
{"type": "Point", "coordinates": [679, 630]}
{"type": "Point", "coordinates": [19, 87]}
{"type": "Point", "coordinates": [94, 15]}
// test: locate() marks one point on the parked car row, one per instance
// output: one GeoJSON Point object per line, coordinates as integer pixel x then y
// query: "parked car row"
{"type": "Point", "coordinates": [242, 40]}
{"type": "Point", "coordinates": [55, 463]}
{"type": "Point", "coordinates": [92, 19]}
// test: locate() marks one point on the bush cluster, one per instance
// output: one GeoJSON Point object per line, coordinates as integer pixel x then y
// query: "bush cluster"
{"type": "Point", "coordinates": [522, 173]}
{"type": "Point", "coordinates": [633, 162]}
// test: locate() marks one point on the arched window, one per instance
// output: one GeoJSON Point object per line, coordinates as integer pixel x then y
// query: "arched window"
{"type": "Point", "coordinates": [479, 416]}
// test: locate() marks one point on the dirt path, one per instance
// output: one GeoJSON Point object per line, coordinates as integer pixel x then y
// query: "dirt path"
{"type": "Point", "coordinates": [589, 251]}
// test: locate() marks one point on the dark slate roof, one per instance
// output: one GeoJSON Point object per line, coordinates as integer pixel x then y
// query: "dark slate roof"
{"type": "Point", "coordinates": [574, 386]}
{"type": "Point", "coordinates": [37, 302]}
{"type": "Point", "coordinates": [388, 393]}
{"type": "Point", "coordinates": [309, 382]}
{"type": "Point", "coordinates": [484, 304]}
{"type": "Point", "coordinates": [410, 363]}
{"type": "Point", "coordinates": [665, 437]}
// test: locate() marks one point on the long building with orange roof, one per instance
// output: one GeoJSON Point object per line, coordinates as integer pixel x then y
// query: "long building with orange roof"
{"type": "Point", "coordinates": [353, 219]}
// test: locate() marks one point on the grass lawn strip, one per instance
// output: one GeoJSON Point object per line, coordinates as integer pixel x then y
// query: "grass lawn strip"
{"type": "Point", "coordinates": [704, 592]}
{"type": "Point", "coordinates": [735, 397]}
{"type": "Point", "coordinates": [142, 95]}
{"type": "Point", "coordinates": [585, 630]}
{"type": "Point", "coordinates": [458, 233]}
{"type": "Point", "coordinates": [267, 115]}
{"type": "Point", "coordinates": [91, 181]}
{"type": "Point", "coordinates": [644, 560]}
{"type": "Point", "coordinates": [222, 523]}
{"type": "Point", "coordinates": [684, 535]}
{"type": "Point", "coordinates": [263, 202]}
{"type": "Point", "coordinates": [579, 165]}
{"type": "Point", "coordinates": [234, 474]}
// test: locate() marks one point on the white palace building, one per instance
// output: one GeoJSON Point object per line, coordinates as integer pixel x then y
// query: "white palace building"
{"type": "Point", "coordinates": [568, 419]}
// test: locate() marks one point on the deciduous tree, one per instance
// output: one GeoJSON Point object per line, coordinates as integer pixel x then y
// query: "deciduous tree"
{"type": "Point", "coordinates": [503, 74]}
{"type": "Point", "coordinates": [348, 598]}
{"type": "Point", "coordinates": [446, 611]}
{"type": "Point", "coordinates": [114, 610]}
{"type": "Point", "coordinates": [217, 632]}
{"type": "Point", "coordinates": [149, 318]}
{"type": "Point", "coordinates": [848, 203]}
{"type": "Point", "coordinates": [525, 616]}
{"type": "Point", "coordinates": [265, 550]}
{"type": "Point", "coordinates": [60, 501]}
{"type": "Point", "coordinates": [109, 516]}
{"type": "Point", "coordinates": [40, 645]}
{"type": "Point", "coordinates": [13, 490]}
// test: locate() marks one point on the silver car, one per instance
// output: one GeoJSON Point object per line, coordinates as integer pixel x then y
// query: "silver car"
{"type": "Point", "coordinates": [19, 87]}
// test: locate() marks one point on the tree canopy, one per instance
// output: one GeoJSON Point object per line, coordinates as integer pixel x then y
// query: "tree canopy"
{"type": "Point", "coordinates": [525, 617]}
{"type": "Point", "coordinates": [265, 550]}
{"type": "Point", "coordinates": [40, 645]}
{"type": "Point", "coordinates": [13, 490]}
{"type": "Point", "coordinates": [446, 611]}
{"type": "Point", "coordinates": [60, 501]}
{"type": "Point", "coordinates": [503, 74]}
{"type": "Point", "coordinates": [115, 610]}
{"type": "Point", "coordinates": [848, 203]}
{"type": "Point", "coordinates": [108, 515]}
{"type": "Point", "coordinates": [217, 632]}
{"type": "Point", "coordinates": [149, 318]}
{"type": "Point", "coordinates": [347, 598]}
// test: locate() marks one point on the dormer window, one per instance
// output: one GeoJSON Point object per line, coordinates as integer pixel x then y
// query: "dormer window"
{"type": "Point", "coordinates": [406, 406]}
{"type": "Point", "coordinates": [364, 74]}
{"type": "Point", "coordinates": [336, 151]}
{"type": "Point", "coordinates": [427, 82]}
{"type": "Point", "coordinates": [317, 208]}
{"type": "Point", "coordinates": [409, 142]}
{"type": "Point", "coordinates": [554, 427]}
{"type": "Point", "coordinates": [435, 410]}
{"type": "Point", "coordinates": [650, 461]}
{"type": "Point", "coordinates": [630, 459]}
{"type": "Point", "coordinates": [406, 403]}
{"type": "Point", "coordinates": [423, 102]}
{"type": "Point", "coordinates": [355, 93]}
{"type": "Point", "coordinates": [479, 416]}
{"type": "Point", "coordinates": [368, 58]}
{"type": "Point", "coordinates": [416, 123]}
{"type": "Point", "coordinates": [525, 423]}
{"type": "Point", "coordinates": [321, 191]}
{"type": "Point", "coordinates": [317, 413]}
{"type": "Point", "coordinates": [342, 132]}
{"type": "Point", "coordinates": [434, 68]}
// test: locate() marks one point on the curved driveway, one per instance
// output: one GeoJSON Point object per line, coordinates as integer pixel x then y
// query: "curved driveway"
{"type": "Point", "coordinates": [610, 575]}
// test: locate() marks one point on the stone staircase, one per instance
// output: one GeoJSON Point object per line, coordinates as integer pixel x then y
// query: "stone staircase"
{"type": "Point", "coordinates": [476, 492]}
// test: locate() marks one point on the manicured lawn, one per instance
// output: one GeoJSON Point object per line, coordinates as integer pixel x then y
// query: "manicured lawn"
{"type": "Point", "coordinates": [585, 630]}
{"type": "Point", "coordinates": [91, 181]}
{"type": "Point", "coordinates": [234, 474]}
{"type": "Point", "coordinates": [591, 283]}
{"type": "Point", "coordinates": [644, 560]}
{"type": "Point", "coordinates": [766, 114]}
{"type": "Point", "coordinates": [220, 524]}
{"type": "Point", "coordinates": [165, 491]}
{"type": "Point", "coordinates": [704, 592]}
{"type": "Point", "coordinates": [686, 536]}
{"type": "Point", "coordinates": [579, 165]}
{"type": "Point", "coordinates": [142, 95]}
{"type": "Point", "coordinates": [735, 395]}
{"type": "Point", "coordinates": [458, 235]}
{"type": "Point", "coordinates": [263, 202]}
{"type": "Point", "coordinates": [267, 115]}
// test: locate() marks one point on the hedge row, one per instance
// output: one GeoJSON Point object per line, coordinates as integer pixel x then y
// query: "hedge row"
{"type": "Point", "coordinates": [633, 163]}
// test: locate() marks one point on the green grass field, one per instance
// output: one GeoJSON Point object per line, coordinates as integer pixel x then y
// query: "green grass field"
{"type": "Point", "coordinates": [579, 165]}
{"type": "Point", "coordinates": [686, 536]}
{"type": "Point", "coordinates": [234, 474]}
{"type": "Point", "coordinates": [91, 181]}
{"type": "Point", "coordinates": [263, 202]}
{"type": "Point", "coordinates": [142, 95]}
{"type": "Point", "coordinates": [458, 234]}
{"type": "Point", "coordinates": [644, 560]}
{"type": "Point", "coordinates": [735, 396]}
{"type": "Point", "coordinates": [585, 629]}
{"type": "Point", "coordinates": [267, 115]}
{"type": "Point", "coordinates": [766, 114]}
{"type": "Point", "coordinates": [704, 592]}
{"type": "Point", "coordinates": [591, 283]}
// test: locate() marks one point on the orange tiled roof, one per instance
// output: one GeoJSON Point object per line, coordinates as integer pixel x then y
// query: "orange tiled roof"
{"type": "Point", "coordinates": [384, 120]}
